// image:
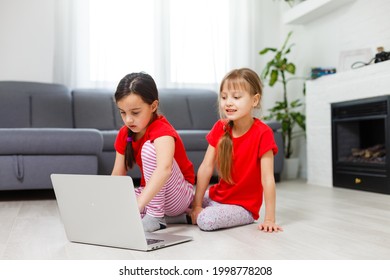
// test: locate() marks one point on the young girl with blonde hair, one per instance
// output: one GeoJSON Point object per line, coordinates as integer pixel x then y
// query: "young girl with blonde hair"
{"type": "Point", "coordinates": [242, 148]}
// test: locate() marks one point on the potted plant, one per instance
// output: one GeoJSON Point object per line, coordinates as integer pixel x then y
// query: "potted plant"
{"type": "Point", "coordinates": [289, 113]}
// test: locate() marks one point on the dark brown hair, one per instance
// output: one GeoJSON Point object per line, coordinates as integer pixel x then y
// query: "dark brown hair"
{"type": "Point", "coordinates": [143, 85]}
{"type": "Point", "coordinates": [243, 78]}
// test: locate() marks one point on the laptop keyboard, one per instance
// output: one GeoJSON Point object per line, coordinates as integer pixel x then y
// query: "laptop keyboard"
{"type": "Point", "coordinates": [153, 241]}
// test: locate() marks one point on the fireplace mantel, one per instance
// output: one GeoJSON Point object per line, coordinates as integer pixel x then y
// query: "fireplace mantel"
{"type": "Point", "coordinates": [368, 81]}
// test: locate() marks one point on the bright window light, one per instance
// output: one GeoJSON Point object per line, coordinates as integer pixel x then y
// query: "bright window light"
{"type": "Point", "coordinates": [121, 38]}
{"type": "Point", "coordinates": [199, 40]}
{"type": "Point", "coordinates": [184, 41]}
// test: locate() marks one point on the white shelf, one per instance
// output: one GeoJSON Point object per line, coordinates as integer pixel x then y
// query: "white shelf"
{"type": "Point", "coordinates": [311, 9]}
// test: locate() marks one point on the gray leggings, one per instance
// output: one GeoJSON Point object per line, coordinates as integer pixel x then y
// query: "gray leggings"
{"type": "Point", "coordinates": [217, 216]}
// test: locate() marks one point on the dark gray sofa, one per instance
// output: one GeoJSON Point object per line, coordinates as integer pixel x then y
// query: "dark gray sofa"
{"type": "Point", "coordinates": [46, 128]}
{"type": "Point", "coordinates": [37, 136]}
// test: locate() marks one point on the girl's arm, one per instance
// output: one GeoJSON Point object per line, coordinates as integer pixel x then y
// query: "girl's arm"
{"type": "Point", "coordinates": [165, 150]}
{"type": "Point", "coordinates": [268, 181]}
{"type": "Point", "coordinates": [119, 165]}
{"type": "Point", "coordinates": [204, 174]}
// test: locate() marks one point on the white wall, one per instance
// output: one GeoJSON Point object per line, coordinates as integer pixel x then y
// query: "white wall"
{"type": "Point", "coordinates": [356, 25]}
{"type": "Point", "coordinates": [26, 40]}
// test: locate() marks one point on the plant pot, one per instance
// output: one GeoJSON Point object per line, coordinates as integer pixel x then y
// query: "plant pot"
{"type": "Point", "coordinates": [290, 168]}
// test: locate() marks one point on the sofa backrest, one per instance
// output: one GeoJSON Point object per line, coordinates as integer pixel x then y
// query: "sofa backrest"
{"type": "Point", "coordinates": [189, 108]}
{"type": "Point", "coordinates": [95, 108]}
{"type": "Point", "coordinates": [184, 108]}
{"type": "Point", "coordinates": [37, 105]}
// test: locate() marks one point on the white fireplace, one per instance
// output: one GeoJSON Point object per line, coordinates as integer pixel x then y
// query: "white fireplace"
{"type": "Point", "coordinates": [368, 81]}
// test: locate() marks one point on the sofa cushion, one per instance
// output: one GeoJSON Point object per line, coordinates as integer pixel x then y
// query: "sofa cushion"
{"type": "Point", "coordinates": [194, 140]}
{"type": "Point", "coordinates": [109, 137]}
{"type": "Point", "coordinates": [274, 125]}
{"type": "Point", "coordinates": [31, 104]}
{"type": "Point", "coordinates": [14, 111]}
{"type": "Point", "coordinates": [203, 107]}
{"type": "Point", "coordinates": [174, 106]}
{"type": "Point", "coordinates": [45, 141]}
{"type": "Point", "coordinates": [33, 171]}
{"type": "Point", "coordinates": [189, 108]}
{"type": "Point", "coordinates": [95, 108]}
{"type": "Point", "coordinates": [51, 110]}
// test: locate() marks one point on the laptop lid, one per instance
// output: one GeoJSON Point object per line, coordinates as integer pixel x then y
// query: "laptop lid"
{"type": "Point", "coordinates": [102, 210]}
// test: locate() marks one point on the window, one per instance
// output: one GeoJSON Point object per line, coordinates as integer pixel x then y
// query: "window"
{"type": "Point", "coordinates": [199, 41]}
{"type": "Point", "coordinates": [121, 38]}
{"type": "Point", "coordinates": [181, 43]}
{"type": "Point", "coordinates": [177, 42]}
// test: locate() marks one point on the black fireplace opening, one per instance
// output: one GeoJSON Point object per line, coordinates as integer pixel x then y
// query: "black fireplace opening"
{"type": "Point", "coordinates": [360, 144]}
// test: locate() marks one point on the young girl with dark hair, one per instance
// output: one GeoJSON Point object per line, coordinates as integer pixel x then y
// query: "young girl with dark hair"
{"type": "Point", "coordinates": [243, 149]}
{"type": "Point", "coordinates": [150, 141]}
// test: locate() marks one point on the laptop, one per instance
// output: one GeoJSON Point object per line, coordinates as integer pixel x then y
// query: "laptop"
{"type": "Point", "coordinates": [102, 210]}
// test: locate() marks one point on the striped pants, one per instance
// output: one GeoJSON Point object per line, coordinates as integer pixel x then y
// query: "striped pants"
{"type": "Point", "coordinates": [176, 195]}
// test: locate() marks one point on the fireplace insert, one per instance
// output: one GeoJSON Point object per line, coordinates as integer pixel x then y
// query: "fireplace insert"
{"type": "Point", "coordinates": [360, 143]}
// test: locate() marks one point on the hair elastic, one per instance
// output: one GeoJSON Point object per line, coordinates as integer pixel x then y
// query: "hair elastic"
{"type": "Point", "coordinates": [129, 139]}
{"type": "Point", "coordinates": [227, 126]}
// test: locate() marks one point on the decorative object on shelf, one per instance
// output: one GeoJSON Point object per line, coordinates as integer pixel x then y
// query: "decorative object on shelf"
{"type": "Point", "coordinates": [319, 72]}
{"type": "Point", "coordinates": [351, 59]}
{"type": "Point", "coordinates": [381, 55]}
{"type": "Point", "coordinates": [288, 113]}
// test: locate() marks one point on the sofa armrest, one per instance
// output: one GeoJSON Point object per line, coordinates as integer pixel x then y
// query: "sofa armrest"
{"type": "Point", "coordinates": [50, 141]}
{"type": "Point", "coordinates": [279, 157]}
{"type": "Point", "coordinates": [274, 125]}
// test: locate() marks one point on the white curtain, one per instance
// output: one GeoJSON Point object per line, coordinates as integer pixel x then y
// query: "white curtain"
{"type": "Point", "coordinates": [71, 43]}
{"type": "Point", "coordinates": [181, 43]}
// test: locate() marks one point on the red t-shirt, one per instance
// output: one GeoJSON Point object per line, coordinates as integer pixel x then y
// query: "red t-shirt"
{"type": "Point", "coordinates": [159, 127]}
{"type": "Point", "coordinates": [246, 174]}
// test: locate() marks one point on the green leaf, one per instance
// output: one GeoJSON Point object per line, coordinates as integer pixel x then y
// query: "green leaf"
{"type": "Point", "coordinates": [274, 77]}
{"type": "Point", "coordinates": [265, 50]}
{"type": "Point", "coordinates": [278, 57]}
{"type": "Point", "coordinates": [265, 72]}
{"type": "Point", "coordinates": [296, 103]}
{"type": "Point", "coordinates": [290, 68]}
{"type": "Point", "coordinates": [300, 119]}
{"type": "Point", "coordinates": [280, 105]}
{"type": "Point", "coordinates": [281, 64]}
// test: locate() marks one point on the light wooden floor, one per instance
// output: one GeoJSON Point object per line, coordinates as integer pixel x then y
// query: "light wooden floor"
{"type": "Point", "coordinates": [319, 223]}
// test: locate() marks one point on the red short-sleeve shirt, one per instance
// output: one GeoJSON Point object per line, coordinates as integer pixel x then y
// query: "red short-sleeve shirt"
{"type": "Point", "coordinates": [158, 128]}
{"type": "Point", "coordinates": [248, 149]}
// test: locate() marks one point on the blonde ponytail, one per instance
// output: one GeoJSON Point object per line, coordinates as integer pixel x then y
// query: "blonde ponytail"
{"type": "Point", "coordinates": [225, 154]}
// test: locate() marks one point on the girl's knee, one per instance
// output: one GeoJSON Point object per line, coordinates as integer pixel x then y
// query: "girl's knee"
{"type": "Point", "coordinates": [223, 216]}
{"type": "Point", "coordinates": [206, 221]}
